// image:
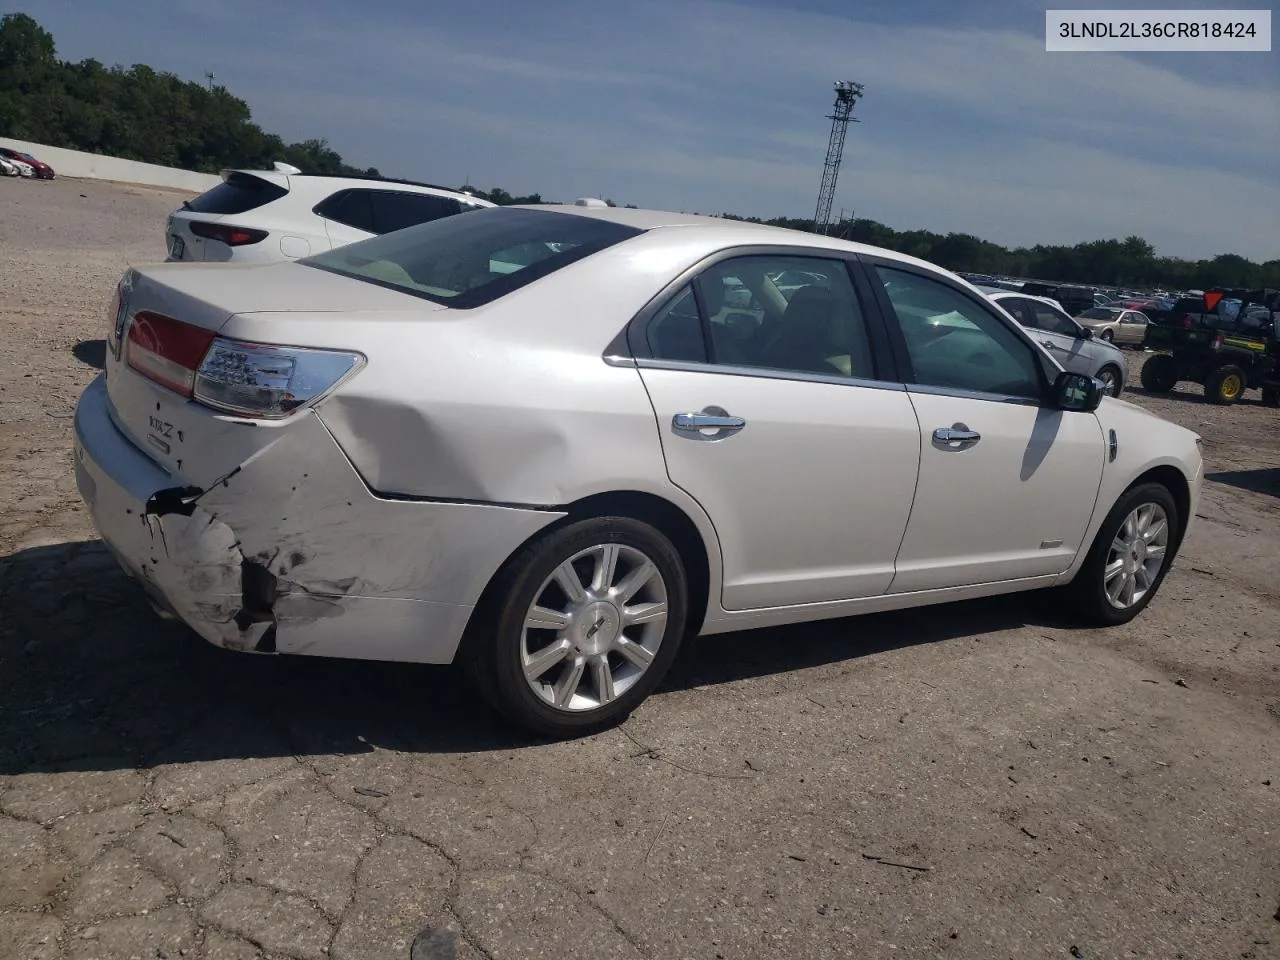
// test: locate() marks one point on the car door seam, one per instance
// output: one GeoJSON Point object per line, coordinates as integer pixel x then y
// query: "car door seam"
{"type": "Point", "coordinates": [914, 492]}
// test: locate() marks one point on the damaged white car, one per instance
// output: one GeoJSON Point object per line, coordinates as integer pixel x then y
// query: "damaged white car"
{"type": "Point", "coordinates": [543, 443]}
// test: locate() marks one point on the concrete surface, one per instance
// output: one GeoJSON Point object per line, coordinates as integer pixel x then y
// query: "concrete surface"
{"type": "Point", "coordinates": [975, 781]}
{"type": "Point", "coordinates": [95, 166]}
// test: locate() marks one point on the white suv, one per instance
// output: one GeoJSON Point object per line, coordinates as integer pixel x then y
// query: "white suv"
{"type": "Point", "coordinates": [264, 215]}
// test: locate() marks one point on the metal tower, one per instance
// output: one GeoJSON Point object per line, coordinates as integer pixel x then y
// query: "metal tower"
{"type": "Point", "coordinates": [847, 94]}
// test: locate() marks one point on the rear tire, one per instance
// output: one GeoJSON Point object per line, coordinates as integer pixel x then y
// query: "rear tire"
{"type": "Point", "coordinates": [1225, 384]}
{"type": "Point", "coordinates": [604, 650]}
{"type": "Point", "coordinates": [1160, 373]}
{"type": "Point", "coordinates": [1088, 595]}
{"type": "Point", "coordinates": [1271, 397]}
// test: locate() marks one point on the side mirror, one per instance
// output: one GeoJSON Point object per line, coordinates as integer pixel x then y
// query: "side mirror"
{"type": "Point", "coordinates": [1086, 333]}
{"type": "Point", "coordinates": [1078, 392]}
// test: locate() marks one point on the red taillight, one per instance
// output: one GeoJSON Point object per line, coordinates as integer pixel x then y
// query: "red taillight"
{"type": "Point", "coordinates": [231, 236]}
{"type": "Point", "coordinates": [167, 351]}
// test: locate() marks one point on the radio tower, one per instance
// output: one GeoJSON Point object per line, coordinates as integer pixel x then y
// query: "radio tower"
{"type": "Point", "coordinates": [847, 94]}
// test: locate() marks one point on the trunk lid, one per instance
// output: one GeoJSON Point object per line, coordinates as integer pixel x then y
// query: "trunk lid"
{"type": "Point", "coordinates": [195, 443]}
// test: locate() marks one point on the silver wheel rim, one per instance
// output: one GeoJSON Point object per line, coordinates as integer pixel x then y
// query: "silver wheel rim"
{"type": "Point", "coordinates": [594, 627]}
{"type": "Point", "coordinates": [1136, 556]}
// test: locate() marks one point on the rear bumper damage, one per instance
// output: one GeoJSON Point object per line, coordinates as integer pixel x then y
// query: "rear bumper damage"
{"type": "Point", "coordinates": [290, 552]}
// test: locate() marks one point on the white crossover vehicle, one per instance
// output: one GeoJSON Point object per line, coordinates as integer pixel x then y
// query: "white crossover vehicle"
{"type": "Point", "coordinates": [1071, 344]}
{"type": "Point", "coordinates": [536, 441]}
{"type": "Point", "coordinates": [258, 216]}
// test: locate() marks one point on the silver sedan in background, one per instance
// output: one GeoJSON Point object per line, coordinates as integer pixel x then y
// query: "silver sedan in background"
{"type": "Point", "coordinates": [1071, 344]}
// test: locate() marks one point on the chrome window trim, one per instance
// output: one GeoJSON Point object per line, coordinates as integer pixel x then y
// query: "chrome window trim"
{"type": "Point", "coordinates": [764, 373]}
{"type": "Point", "coordinates": [963, 394]}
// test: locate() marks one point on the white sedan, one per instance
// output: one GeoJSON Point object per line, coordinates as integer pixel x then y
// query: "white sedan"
{"type": "Point", "coordinates": [537, 442]}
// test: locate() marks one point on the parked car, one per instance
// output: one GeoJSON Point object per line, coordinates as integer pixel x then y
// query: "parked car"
{"type": "Point", "coordinates": [1116, 325]}
{"type": "Point", "coordinates": [39, 169]}
{"type": "Point", "coordinates": [8, 168]}
{"type": "Point", "coordinates": [264, 215]}
{"type": "Point", "coordinates": [1072, 345]}
{"type": "Point", "coordinates": [551, 475]}
{"type": "Point", "coordinates": [22, 168]}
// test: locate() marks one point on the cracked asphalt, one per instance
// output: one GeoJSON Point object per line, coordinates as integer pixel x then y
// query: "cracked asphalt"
{"type": "Point", "coordinates": [972, 781]}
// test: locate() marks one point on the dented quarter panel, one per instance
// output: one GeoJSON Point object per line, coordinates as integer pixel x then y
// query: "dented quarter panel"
{"type": "Point", "coordinates": [511, 402]}
{"type": "Point", "coordinates": [358, 576]}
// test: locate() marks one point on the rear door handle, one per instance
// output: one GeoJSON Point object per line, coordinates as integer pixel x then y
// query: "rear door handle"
{"type": "Point", "coordinates": [956, 437]}
{"type": "Point", "coordinates": [713, 418]}
{"type": "Point", "coordinates": [1050, 344]}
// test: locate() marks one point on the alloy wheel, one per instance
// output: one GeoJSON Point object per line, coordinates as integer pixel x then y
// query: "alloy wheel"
{"type": "Point", "coordinates": [1136, 556]}
{"type": "Point", "coordinates": [594, 627]}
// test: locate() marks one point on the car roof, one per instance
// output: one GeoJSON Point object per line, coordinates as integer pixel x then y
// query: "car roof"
{"type": "Point", "coordinates": [736, 232]}
{"type": "Point", "coordinates": [997, 293]}
{"type": "Point", "coordinates": [290, 180]}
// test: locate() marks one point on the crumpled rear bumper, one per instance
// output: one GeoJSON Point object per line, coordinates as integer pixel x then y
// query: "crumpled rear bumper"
{"type": "Point", "coordinates": [290, 551]}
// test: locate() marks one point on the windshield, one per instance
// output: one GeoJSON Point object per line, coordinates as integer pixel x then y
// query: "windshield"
{"type": "Point", "coordinates": [471, 260]}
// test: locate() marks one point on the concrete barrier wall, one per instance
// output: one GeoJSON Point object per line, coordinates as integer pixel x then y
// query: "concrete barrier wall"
{"type": "Point", "coordinates": [74, 163]}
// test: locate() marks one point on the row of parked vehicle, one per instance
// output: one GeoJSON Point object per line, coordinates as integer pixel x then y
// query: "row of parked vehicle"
{"type": "Point", "coordinates": [17, 163]}
{"type": "Point", "coordinates": [548, 442]}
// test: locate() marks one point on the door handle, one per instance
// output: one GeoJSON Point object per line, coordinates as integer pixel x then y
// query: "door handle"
{"type": "Point", "coordinates": [1050, 344]}
{"type": "Point", "coordinates": [713, 418]}
{"type": "Point", "coordinates": [956, 437]}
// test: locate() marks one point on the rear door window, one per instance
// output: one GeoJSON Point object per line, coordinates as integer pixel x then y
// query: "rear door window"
{"type": "Point", "coordinates": [385, 211]}
{"type": "Point", "coordinates": [394, 210]}
{"type": "Point", "coordinates": [239, 193]}
{"type": "Point", "coordinates": [351, 208]}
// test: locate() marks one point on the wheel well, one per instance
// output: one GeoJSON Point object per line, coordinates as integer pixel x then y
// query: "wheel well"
{"type": "Point", "coordinates": [673, 522]}
{"type": "Point", "coordinates": [1171, 479]}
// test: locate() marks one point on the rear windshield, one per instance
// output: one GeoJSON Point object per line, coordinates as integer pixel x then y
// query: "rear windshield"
{"type": "Point", "coordinates": [472, 260]}
{"type": "Point", "coordinates": [239, 193]}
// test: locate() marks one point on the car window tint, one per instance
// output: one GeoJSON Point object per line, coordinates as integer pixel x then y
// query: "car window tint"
{"type": "Point", "coordinates": [675, 332]}
{"type": "Point", "coordinates": [953, 341]}
{"type": "Point", "coordinates": [239, 193]}
{"type": "Point", "coordinates": [465, 262]}
{"type": "Point", "coordinates": [395, 210]}
{"type": "Point", "coordinates": [1052, 321]}
{"type": "Point", "coordinates": [351, 208]}
{"type": "Point", "coordinates": [1017, 308]}
{"type": "Point", "coordinates": [786, 313]}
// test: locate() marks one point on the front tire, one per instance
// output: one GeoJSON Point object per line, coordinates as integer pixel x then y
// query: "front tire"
{"type": "Point", "coordinates": [1108, 336]}
{"type": "Point", "coordinates": [580, 626]}
{"type": "Point", "coordinates": [1129, 558]}
{"type": "Point", "coordinates": [1111, 377]}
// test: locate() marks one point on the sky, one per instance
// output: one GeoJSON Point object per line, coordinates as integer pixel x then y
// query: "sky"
{"type": "Point", "coordinates": [966, 123]}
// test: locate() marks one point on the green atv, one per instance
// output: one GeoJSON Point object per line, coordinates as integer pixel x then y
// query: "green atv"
{"type": "Point", "coordinates": [1224, 354]}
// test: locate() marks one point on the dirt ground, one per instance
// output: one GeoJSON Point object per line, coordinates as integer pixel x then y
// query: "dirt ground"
{"type": "Point", "coordinates": [972, 781]}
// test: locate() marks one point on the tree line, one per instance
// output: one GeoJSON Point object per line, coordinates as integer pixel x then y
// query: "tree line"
{"type": "Point", "coordinates": [140, 114]}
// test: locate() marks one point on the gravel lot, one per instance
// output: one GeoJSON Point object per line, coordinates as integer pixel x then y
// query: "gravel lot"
{"type": "Point", "coordinates": [972, 781]}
